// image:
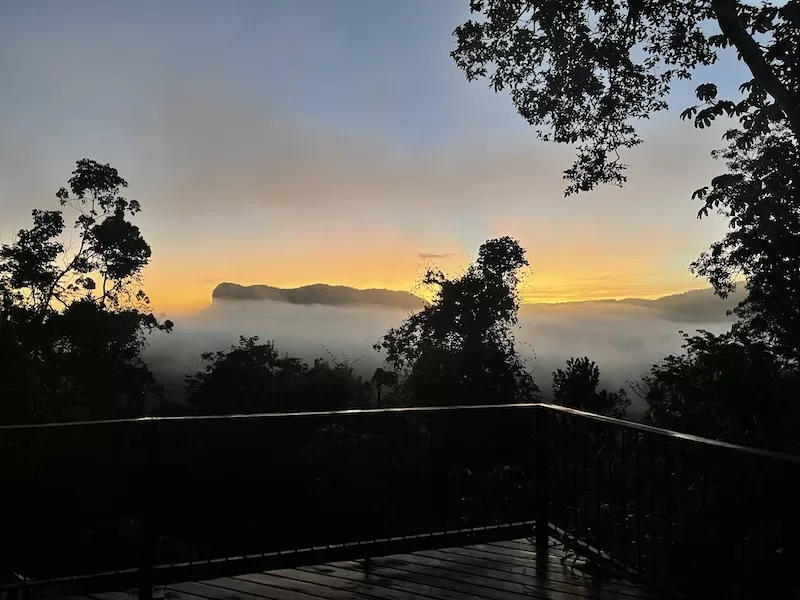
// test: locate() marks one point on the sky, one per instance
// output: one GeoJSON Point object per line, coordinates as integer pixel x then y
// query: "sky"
{"type": "Point", "coordinates": [290, 142]}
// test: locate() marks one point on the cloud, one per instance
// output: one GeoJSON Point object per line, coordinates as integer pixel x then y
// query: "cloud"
{"type": "Point", "coordinates": [217, 153]}
{"type": "Point", "coordinates": [434, 255]}
{"type": "Point", "coordinates": [625, 341]}
{"type": "Point", "coordinates": [232, 186]}
{"type": "Point", "coordinates": [216, 147]}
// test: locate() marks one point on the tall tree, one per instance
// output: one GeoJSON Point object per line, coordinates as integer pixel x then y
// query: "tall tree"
{"type": "Point", "coordinates": [582, 71]}
{"type": "Point", "coordinates": [254, 377]}
{"type": "Point", "coordinates": [576, 387]}
{"type": "Point", "coordinates": [107, 263]}
{"type": "Point", "coordinates": [460, 348]}
{"type": "Point", "coordinates": [74, 314]}
{"type": "Point", "coordinates": [729, 387]}
{"type": "Point", "coordinates": [760, 199]}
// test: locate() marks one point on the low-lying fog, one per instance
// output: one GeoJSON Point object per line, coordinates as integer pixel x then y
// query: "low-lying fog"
{"type": "Point", "coordinates": [624, 340]}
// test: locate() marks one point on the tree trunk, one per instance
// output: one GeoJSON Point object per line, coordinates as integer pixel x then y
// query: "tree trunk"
{"type": "Point", "coordinates": [732, 27]}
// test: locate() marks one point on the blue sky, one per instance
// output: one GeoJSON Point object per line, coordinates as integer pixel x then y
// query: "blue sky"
{"type": "Point", "coordinates": [288, 142]}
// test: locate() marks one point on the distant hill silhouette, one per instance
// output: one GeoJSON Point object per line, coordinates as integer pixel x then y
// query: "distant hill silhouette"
{"type": "Point", "coordinates": [319, 293]}
{"type": "Point", "coordinates": [696, 304]}
{"type": "Point", "coordinates": [692, 306]}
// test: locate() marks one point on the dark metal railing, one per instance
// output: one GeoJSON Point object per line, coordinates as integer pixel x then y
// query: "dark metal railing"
{"type": "Point", "coordinates": [133, 503]}
{"type": "Point", "coordinates": [701, 517]}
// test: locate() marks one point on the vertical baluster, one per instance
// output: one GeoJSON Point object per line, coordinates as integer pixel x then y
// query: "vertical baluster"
{"type": "Point", "coordinates": [652, 527]}
{"type": "Point", "coordinates": [683, 478]}
{"type": "Point", "coordinates": [542, 525]}
{"type": "Point", "coordinates": [147, 490]}
{"type": "Point", "coordinates": [638, 509]}
{"type": "Point", "coordinates": [624, 500]}
{"type": "Point", "coordinates": [612, 529]}
{"type": "Point", "coordinates": [574, 496]}
{"type": "Point", "coordinates": [670, 504]}
{"type": "Point", "coordinates": [586, 493]}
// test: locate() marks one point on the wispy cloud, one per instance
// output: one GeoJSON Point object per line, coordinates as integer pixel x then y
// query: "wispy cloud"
{"type": "Point", "coordinates": [212, 146]}
{"type": "Point", "coordinates": [231, 187]}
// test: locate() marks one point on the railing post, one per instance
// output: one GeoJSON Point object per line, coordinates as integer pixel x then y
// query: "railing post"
{"type": "Point", "coordinates": [541, 491]}
{"type": "Point", "coordinates": [146, 569]}
{"type": "Point", "coordinates": [147, 495]}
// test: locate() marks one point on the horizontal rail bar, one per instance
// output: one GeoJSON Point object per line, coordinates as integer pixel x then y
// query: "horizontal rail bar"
{"type": "Point", "coordinates": [165, 574]}
{"type": "Point", "coordinates": [631, 425]}
{"type": "Point", "coordinates": [675, 435]}
{"type": "Point", "coordinates": [283, 415]}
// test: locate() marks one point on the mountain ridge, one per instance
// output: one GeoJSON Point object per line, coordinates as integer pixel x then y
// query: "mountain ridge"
{"type": "Point", "coordinates": [693, 305]}
{"type": "Point", "coordinates": [319, 293]}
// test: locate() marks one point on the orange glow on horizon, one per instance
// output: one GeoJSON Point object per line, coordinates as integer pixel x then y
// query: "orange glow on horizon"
{"type": "Point", "coordinates": [559, 272]}
{"type": "Point", "coordinates": [181, 294]}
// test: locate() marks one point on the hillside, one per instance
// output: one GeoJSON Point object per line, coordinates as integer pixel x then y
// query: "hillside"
{"type": "Point", "coordinates": [692, 306]}
{"type": "Point", "coordinates": [319, 293]}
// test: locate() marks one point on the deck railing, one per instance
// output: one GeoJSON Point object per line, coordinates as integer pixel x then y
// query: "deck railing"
{"type": "Point", "coordinates": [133, 503]}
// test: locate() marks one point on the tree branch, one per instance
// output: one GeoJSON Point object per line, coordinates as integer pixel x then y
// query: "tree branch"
{"type": "Point", "coordinates": [105, 293]}
{"type": "Point", "coordinates": [732, 27]}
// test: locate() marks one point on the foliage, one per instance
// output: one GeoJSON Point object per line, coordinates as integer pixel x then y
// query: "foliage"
{"type": "Point", "coordinates": [74, 319]}
{"type": "Point", "coordinates": [582, 71]}
{"type": "Point", "coordinates": [728, 387]}
{"type": "Point", "coordinates": [760, 198]}
{"type": "Point", "coordinates": [585, 70]}
{"type": "Point", "coordinates": [460, 348]}
{"type": "Point", "coordinates": [384, 378]}
{"type": "Point", "coordinates": [576, 387]}
{"type": "Point", "coordinates": [252, 377]}
{"type": "Point", "coordinates": [40, 268]}
{"type": "Point", "coordinates": [20, 390]}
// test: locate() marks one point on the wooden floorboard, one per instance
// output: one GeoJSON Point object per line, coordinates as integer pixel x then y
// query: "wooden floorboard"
{"type": "Point", "coordinates": [513, 564]}
{"type": "Point", "coordinates": [527, 550]}
{"type": "Point", "coordinates": [461, 584]}
{"type": "Point", "coordinates": [494, 571]}
{"type": "Point", "coordinates": [510, 582]}
{"type": "Point", "coordinates": [557, 577]}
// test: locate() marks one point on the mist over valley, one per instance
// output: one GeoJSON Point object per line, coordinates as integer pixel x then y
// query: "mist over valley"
{"type": "Point", "coordinates": [625, 337]}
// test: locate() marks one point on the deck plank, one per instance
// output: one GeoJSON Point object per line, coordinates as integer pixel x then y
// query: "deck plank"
{"type": "Point", "coordinates": [227, 589]}
{"type": "Point", "coordinates": [465, 565]}
{"type": "Point", "coordinates": [378, 586]}
{"type": "Point", "coordinates": [555, 548]}
{"type": "Point", "coordinates": [173, 594]}
{"type": "Point", "coordinates": [211, 591]}
{"type": "Point", "coordinates": [308, 587]}
{"type": "Point", "coordinates": [527, 550]}
{"type": "Point", "coordinates": [520, 581]}
{"type": "Point", "coordinates": [504, 570]}
{"type": "Point", "coordinates": [458, 583]}
{"type": "Point", "coordinates": [476, 558]}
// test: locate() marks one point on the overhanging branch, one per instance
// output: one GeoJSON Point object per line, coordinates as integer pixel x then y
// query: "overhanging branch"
{"type": "Point", "coordinates": [732, 27]}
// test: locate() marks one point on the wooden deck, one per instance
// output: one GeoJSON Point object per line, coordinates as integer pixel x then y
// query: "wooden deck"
{"type": "Point", "coordinates": [496, 571]}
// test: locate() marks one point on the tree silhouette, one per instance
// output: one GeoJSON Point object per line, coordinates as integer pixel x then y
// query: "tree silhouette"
{"type": "Point", "coordinates": [760, 198]}
{"type": "Point", "coordinates": [584, 70]}
{"type": "Point", "coordinates": [460, 348]}
{"type": "Point", "coordinates": [252, 377]}
{"type": "Point", "coordinates": [728, 387]}
{"type": "Point", "coordinates": [581, 71]}
{"type": "Point", "coordinates": [576, 387]}
{"type": "Point", "coordinates": [74, 317]}
{"type": "Point", "coordinates": [41, 269]}
{"type": "Point", "coordinates": [381, 378]}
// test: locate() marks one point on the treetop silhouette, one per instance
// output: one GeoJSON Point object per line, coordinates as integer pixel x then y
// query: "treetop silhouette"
{"type": "Point", "coordinates": [583, 71]}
